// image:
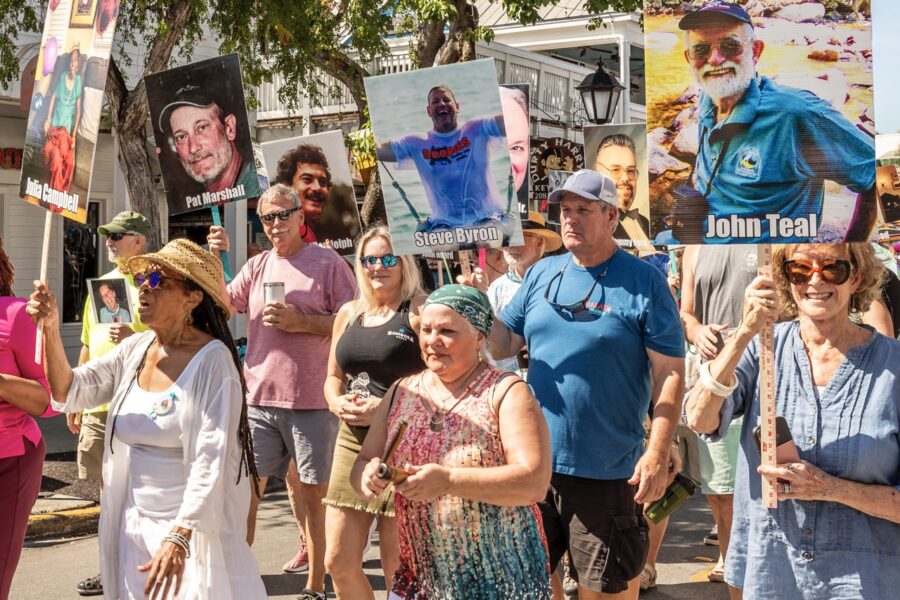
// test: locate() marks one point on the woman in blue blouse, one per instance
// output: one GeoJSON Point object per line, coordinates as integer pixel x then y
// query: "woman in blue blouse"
{"type": "Point", "coordinates": [836, 530]}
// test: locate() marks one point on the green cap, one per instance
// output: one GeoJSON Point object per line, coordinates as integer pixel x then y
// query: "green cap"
{"type": "Point", "coordinates": [124, 222]}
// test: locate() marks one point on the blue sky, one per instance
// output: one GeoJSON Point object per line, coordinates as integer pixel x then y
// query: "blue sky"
{"type": "Point", "coordinates": [886, 47]}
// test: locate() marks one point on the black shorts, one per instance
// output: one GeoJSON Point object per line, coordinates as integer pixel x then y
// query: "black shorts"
{"type": "Point", "coordinates": [601, 526]}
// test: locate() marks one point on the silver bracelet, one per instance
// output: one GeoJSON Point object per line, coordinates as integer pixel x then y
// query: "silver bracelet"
{"type": "Point", "coordinates": [180, 541]}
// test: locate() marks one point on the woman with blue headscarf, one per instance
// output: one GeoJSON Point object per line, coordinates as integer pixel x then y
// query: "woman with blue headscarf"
{"type": "Point", "coordinates": [470, 468]}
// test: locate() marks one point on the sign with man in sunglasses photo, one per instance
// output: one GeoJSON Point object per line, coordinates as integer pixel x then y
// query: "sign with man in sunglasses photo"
{"type": "Point", "coordinates": [316, 167]}
{"type": "Point", "coordinates": [759, 120]}
{"type": "Point", "coordinates": [202, 134]}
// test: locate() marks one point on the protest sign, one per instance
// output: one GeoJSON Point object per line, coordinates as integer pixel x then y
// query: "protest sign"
{"type": "Point", "coordinates": [317, 169]}
{"type": "Point", "coordinates": [888, 186]}
{"type": "Point", "coordinates": [443, 158]}
{"type": "Point", "coordinates": [515, 100]}
{"type": "Point", "coordinates": [620, 152]}
{"type": "Point", "coordinates": [759, 119]}
{"type": "Point", "coordinates": [110, 300]}
{"type": "Point", "coordinates": [551, 154]}
{"type": "Point", "coordinates": [202, 134]}
{"type": "Point", "coordinates": [66, 101]}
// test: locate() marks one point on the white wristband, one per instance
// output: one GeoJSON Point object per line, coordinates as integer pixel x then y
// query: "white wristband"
{"type": "Point", "coordinates": [714, 386]}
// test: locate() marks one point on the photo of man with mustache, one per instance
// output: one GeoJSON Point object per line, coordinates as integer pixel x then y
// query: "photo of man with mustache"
{"type": "Point", "coordinates": [305, 170]}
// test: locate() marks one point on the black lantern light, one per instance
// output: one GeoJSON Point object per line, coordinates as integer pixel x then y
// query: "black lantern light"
{"type": "Point", "coordinates": [600, 93]}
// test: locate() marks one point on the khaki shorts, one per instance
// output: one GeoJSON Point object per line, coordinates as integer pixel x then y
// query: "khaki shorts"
{"type": "Point", "coordinates": [90, 445]}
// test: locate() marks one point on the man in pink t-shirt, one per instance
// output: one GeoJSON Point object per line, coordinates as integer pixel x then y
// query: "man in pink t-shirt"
{"type": "Point", "coordinates": [287, 356]}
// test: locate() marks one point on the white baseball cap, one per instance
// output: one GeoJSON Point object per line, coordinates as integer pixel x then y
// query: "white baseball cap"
{"type": "Point", "coordinates": [589, 185]}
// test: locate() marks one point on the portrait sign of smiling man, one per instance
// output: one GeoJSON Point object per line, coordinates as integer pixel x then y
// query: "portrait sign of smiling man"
{"type": "Point", "coordinates": [202, 134]}
{"type": "Point", "coordinates": [751, 159]}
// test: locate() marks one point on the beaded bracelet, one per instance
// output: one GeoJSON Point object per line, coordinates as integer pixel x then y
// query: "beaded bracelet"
{"type": "Point", "coordinates": [180, 541]}
{"type": "Point", "coordinates": [711, 385]}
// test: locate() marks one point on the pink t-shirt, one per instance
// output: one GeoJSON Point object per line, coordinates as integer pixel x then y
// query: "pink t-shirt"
{"type": "Point", "coordinates": [287, 370]}
{"type": "Point", "coordinates": [17, 336]}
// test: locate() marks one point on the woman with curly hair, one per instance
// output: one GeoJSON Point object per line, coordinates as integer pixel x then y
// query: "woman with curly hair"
{"type": "Point", "coordinates": [836, 530]}
{"type": "Point", "coordinates": [24, 394]}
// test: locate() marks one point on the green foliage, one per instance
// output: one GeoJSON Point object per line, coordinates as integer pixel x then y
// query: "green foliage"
{"type": "Point", "coordinates": [20, 16]}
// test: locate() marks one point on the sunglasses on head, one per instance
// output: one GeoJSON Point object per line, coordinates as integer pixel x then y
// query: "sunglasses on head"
{"type": "Point", "coordinates": [387, 261]}
{"type": "Point", "coordinates": [284, 215]}
{"type": "Point", "coordinates": [153, 279]}
{"type": "Point", "coordinates": [728, 47]}
{"type": "Point", "coordinates": [834, 271]}
{"type": "Point", "coordinates": [118, 236]}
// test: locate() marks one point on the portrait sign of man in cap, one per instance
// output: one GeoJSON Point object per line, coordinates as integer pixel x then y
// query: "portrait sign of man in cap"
{"type": "Point", "coordinates": [202, 132]}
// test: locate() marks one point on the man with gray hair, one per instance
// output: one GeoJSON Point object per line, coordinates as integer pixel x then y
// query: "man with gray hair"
{"type": "Point", "coordinates": [288, 341]}
{"type": "Point", "coordinates": [765, 148]}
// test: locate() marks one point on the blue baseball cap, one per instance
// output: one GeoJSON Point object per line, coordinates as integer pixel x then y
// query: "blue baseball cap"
{"type": "Point", "coordinates": [714, 11]}
{"type": "Point", "coordinates": [589, 185]}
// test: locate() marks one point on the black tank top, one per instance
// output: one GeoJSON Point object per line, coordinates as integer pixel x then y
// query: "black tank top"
{"type": "Point", "coordinates": [386, 352]}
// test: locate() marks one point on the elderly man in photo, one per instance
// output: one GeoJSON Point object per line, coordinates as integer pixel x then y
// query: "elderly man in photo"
{"type": "Point", "coordinates": [287, 355]}
{"type": "Point", "coordinates": [767, 148]}
{"type": "Point", "coordinates": [454, 164]}
{"type": "Point", "coordinates": [605, 345]}
{"type": "Point", "coordinates": [203, 135]}
{"type": "Point", "coordinates": [125, 237]}
{"type": "Point", "coordinates": [617, 159]}
{"type": "Point", "coordinates": [305, 170]}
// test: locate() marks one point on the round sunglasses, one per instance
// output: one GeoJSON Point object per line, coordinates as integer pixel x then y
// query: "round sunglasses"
{"type": "Point", "coordinates": [834, 271]}
{"type": "Point", "coordinates": [387, 261]}
{"type": "Point", "coordinates": [153, 279]}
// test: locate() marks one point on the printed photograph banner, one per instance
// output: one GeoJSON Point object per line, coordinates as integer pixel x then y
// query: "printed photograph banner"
{"type": "Point", "coordinates": [620, 152]}
{"type": "Point", "coordinates": [317, 169]}
{"type": "Point", "coordinates": [515, 98]}
{"type": "Point", "coordinates": [64, 117]}
{"type": "Point", "coordinates": [548, 155]}
{"type": "Point", "coordinates": [202, 134]}
{"type": "Point", "coordinates": [443, 159]}
{"type": "Point", "coordinates": [760, 122]}
{"type": "Point", "coordinates": [888, 186]}
{"type": "Point", "coordinates": [110, 300]}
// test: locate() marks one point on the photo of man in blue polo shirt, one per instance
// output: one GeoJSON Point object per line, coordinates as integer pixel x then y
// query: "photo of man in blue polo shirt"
{"type": "Point", "coordinates": [765, 150]}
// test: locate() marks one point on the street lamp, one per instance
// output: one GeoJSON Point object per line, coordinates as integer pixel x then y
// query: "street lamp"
{"type": "Point", "coordinates": [600, 93]}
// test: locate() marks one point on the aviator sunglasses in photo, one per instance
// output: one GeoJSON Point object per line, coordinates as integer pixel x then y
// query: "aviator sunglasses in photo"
{"type": "Point", "coordinates": [283, 215]}
{"type": "Point", "coordinates": [728, 47]}
{"type": "Point", "coordinates": [834, 271]}
{"type": "Point", "coordinates": [387, 261]}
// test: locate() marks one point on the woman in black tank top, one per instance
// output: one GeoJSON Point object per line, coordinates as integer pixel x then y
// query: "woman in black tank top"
{"type": "Point", "coordinates": [375, 342]}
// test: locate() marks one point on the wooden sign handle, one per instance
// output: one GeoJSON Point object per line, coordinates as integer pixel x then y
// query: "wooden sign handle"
{"type": "Point", "coordinates": [45, 258]}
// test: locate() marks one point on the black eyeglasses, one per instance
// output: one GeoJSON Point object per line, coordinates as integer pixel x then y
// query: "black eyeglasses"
{"type": "Point", "coordinates": [387, 261]}
{"type": "Point", "coordinates": [284, 215]}
{"type": "Point", "coordinates": [800, 272]}
{"type": "Point", "coordinates": [118, 236]}
{"type": "Point", "coordinates": [728, 47]}
{"type": "Point", "coordinates": [573, 309]}
{"type": "Point", "coordinates": [153, 279]}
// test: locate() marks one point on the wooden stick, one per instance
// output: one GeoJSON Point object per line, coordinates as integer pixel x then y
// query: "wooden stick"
{"type": "Point", "coordinates": [767, 388]}
{"type": "Point", "coordinates": [223, 256]}
{"type": "Point", "coordinates": [45, 258]}
{"type": "Point", "coordinates": [465, 265]}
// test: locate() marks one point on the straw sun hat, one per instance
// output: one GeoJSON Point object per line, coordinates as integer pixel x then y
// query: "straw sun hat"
{"type": "Point", "coordinates": [191, 262]}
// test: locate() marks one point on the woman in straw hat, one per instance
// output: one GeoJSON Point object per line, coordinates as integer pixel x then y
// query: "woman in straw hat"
{"type": "Point", "coordinates": [178, 465]}
{"type": "Point", "coordinates": [476, 460]}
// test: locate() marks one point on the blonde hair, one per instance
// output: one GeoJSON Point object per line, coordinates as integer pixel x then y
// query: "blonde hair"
{"type": "Point", "coordinates": [410, 279]}
{"type": "Point", "coordinates": [863, 260]}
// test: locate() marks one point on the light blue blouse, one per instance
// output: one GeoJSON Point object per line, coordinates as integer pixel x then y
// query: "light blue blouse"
{"type": "Point", "coordinates": [819, 549]}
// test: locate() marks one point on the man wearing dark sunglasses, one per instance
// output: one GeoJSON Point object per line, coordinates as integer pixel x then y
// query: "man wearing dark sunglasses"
{"type": "Point", "coordinates": [604, 342]}
{"type": "Point", "coordinates": [287, 356]}
{"type": "Point", "coordinates": [125, 237]}
{"type": "Point", "coordinates": [765, 148]}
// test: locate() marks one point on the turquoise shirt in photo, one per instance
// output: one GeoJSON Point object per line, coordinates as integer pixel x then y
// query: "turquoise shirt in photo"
{"type": "Point", "coordinates": [784, 144]}
{"type": "Point", "coordinates": [817, 549]}
{"type": "Point", "coordinates": [590, 372]}
{"type": "Point", "coordinates": [66, 103]}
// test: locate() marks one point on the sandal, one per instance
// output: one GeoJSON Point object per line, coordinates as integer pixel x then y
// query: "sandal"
{"type": "Point", "coordinates": [717, 575]}
{"type": "Point", "coordinates": [648, 577]}
{"type": "Point", "coordinates": [91, 586]}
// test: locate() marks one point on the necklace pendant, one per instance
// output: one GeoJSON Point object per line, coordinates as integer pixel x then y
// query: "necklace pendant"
{"type": "Point", "coordinates": [436, 423]}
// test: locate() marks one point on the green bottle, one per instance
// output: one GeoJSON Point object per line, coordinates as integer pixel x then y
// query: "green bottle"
{"type": "Point", "coordinates": [681, 488]}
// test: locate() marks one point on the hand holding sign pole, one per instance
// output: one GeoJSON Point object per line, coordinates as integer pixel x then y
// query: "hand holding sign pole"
{"type": "Point", "coordinates": [223, 256]}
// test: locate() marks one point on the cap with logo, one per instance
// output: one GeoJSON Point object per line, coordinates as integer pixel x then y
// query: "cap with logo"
{"type": "Point", "coordinates": [589, 185]}
{"type": "Point", "coordinates": [124, 222]}
{"type": "Point", "coordinates": [712, 12]}
{"type": "Point", "coordinates": [189, 95]}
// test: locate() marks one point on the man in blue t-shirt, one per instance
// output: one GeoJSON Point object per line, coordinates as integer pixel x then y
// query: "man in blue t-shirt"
{"type": "Point", "coordinates": [605, 342]}
{"type": "Point", "coordinates": [765, 150]}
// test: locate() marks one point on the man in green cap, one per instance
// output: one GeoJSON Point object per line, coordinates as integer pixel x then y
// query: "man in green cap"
{"type": "Point", "coordinates": [125, 237]}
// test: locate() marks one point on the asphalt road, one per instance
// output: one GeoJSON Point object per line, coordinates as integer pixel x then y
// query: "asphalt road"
{"type": "Point", "coordinates": [50, 569]}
